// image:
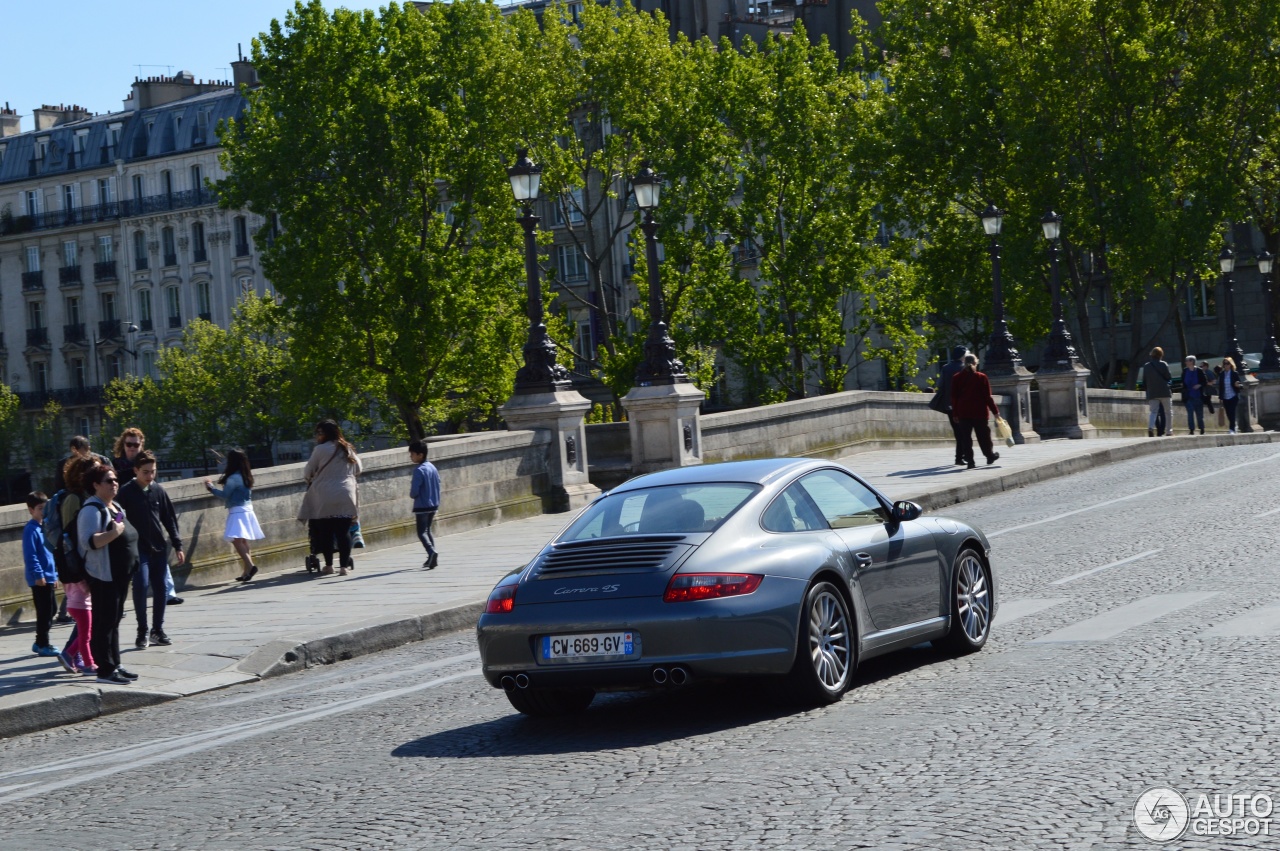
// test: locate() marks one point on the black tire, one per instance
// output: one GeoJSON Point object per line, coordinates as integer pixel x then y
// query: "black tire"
{"type": "Point", "coordinates": [550, 702]}
{"type": "Point", "coordinates": [826, 647]}
{"type": "Point", "coordinates": [971, 601]}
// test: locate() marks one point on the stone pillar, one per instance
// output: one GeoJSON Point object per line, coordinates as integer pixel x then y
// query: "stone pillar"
{"type": "Point", "coordinates": [561, 412]}
{"type": "Point", "coordinates": [1064, 403]}
{"type": "Point", "coordinates": [665, 431]}
{"type": "Point", "coordinates": [1247, 409]}
{"type": "Point", "coordinates": [1266, 400]}
{"type": "Point", "coordinates": [1017, 386]}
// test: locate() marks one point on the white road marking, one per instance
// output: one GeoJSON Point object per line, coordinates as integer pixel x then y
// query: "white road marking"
{"type": "Point", "coordinates": [1012, 610]}
{"type": "Point", "coordinates": [1112, 623]}
{"type": "Point", "coordinates": [1094, 570]}
{"type": "Point", "coordinates": [153, 752]}
{"type": "Point", "coordinates": [1268, 513]}
{"type": "Point", "coordinates": [1257, 623]}
{"type": "Point", "coordinates": [1105, 503]}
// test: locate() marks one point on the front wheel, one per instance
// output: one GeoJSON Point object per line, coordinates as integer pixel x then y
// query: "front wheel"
{"type": "Point", "coordinates": [550, 702]}
{"type": "Point", "coordinates": [971, 601]}
{"type": "Point", "coordinates": [826, 649]}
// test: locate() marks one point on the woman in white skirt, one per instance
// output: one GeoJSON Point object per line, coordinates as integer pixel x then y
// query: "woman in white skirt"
{"type": "Point", "coordinates": [242, 523]}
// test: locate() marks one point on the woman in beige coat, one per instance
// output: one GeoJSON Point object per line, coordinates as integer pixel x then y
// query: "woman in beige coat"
{"type": "Point", "coordinates": [332, 500]}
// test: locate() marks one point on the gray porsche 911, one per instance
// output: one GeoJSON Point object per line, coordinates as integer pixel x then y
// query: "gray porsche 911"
{"type": "Point", "coordinates": [787, 567]}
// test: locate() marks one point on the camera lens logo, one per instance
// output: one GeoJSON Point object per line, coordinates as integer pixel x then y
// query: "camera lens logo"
{"type": "Point", "coordinates": [1161, 814]}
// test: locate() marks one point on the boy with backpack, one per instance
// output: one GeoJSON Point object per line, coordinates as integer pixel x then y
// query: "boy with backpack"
{"type": "Point", "coordinates": [40, 573]}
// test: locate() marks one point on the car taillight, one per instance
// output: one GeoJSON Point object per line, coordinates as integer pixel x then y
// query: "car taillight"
{"type": "Point", "coordinates": [709, 586]}
{"type": "Point", "coordinates": [501, 600]}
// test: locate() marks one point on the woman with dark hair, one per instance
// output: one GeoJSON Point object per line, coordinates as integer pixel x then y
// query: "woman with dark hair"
{"type": "Point", "coordinates": [242, 523]}
{"type": "Point", "coordinates": [970, 401]}
{"type": "Point", "coordinates": [109, 545]}
{"type": "Point", "coordinates": [333, 498]}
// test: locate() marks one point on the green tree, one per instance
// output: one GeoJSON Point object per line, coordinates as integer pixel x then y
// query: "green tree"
{"type": "Point", "coordinates": [10, 436]}
{"type": "Point", "coordinates": [379, 140]}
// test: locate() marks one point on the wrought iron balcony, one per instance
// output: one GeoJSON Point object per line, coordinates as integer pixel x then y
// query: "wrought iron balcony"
{"type": "Point", "coordinates": [242, 249]}
{"type": "Point", "coordinates": [171, 260]}
{"type": "Point", "coordinates": [69, 275]}
{"type": "Point", "coordinates": [104, 270]}
{"type": "Point", "coordinates": [33, 280]}
{"type": "Point", "coordinates": [73, 333]}
{"type": "Point", "coordinates": [37, 336]}
{"type": "Point", "coordinates": [175, 321]}
{"type": "Point", "coordinates": [207, 317]}
{"type": "Point", "coordinates": [199, 256]}
{"type": "Point", "coordinates": [146, 325]}
{"type": "Point", "coordinates": [110, 211]}
{"type": "Point", "coordinates": [87, 395]}
{"type": "Point", "coordinates": [34, 399]}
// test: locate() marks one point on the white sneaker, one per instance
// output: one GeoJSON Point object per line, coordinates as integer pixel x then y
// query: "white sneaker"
{"type": "Point", "coordinates": [1231, 431]}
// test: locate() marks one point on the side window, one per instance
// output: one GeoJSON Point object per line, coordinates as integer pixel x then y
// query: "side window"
{"type": "Point", "coordinates": [792, 511]}
{"type": "Point", "coordinates": [843, 500]}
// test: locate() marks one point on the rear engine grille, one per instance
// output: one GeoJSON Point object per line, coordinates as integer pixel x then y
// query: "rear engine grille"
{"type": "Point", "coordinates": [631, 555]}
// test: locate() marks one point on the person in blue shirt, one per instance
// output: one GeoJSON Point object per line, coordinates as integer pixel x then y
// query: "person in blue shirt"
{"type": "Point", "coordinates": [42, 576]}
{"type": "Point", "coordinates": [242, 523]}
{"type": "Point", "coordinates": [425, 493]}
{"type": "Point", "coordinates": [1194, 392]}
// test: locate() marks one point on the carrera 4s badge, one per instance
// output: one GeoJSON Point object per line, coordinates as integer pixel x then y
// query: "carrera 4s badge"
{"type": "Point", "coordinates": [599, 589]}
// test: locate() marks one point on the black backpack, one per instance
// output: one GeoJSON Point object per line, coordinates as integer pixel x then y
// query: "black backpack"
{"type": "Point", "coordinates": [68, 558]}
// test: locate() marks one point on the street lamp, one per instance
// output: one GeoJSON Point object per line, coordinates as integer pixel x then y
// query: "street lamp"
{"type": "Point", "coordinates": [1060, 353]}
{"type": "Point", "coordinates": [1270, 349]}
{"type": "Point", "coordinates": [1227, 263]}
{"type": "Point", "coordinates": [1002, 352]}
{"type": "Point", "coordinates": [540, 373]}
{"type": "Point", "coordinates": [660, 365]}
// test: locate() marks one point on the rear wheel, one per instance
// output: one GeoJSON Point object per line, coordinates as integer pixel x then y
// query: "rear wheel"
{"type": "Point", "coordinates": [826, 649]}
{"type": "Point", "coordinates": [970, 604]}
{"type": "Point", "coordinates": [550, 702]}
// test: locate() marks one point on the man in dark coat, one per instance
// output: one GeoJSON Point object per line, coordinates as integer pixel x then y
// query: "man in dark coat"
{"type": "Point", "coordinates": [949, 371]}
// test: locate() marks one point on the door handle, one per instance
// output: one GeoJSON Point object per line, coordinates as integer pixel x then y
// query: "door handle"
{"type": "Point", "coordinates": [862, 560]}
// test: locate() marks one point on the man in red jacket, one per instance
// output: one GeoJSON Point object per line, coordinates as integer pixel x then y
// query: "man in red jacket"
{"type": "Point", "coordinates": [970, 401]}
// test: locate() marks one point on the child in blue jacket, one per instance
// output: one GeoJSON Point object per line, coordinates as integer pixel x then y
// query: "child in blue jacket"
{"type": "Point", "coordinates": [42, 577]}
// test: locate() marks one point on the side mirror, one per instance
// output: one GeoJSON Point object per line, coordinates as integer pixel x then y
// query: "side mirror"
{"type": "Point", "coordinates": [904, 511]}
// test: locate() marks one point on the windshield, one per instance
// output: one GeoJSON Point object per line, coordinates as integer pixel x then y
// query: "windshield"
{"type": "Point", "coordinates": [673, 509]}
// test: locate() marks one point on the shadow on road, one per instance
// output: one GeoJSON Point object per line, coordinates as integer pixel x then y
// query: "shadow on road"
{"type": "Point", "coordinates": [618, 721]}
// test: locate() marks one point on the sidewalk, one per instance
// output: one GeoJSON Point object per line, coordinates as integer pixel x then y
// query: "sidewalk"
{"type": "Point", "coordinates": [283, 622]}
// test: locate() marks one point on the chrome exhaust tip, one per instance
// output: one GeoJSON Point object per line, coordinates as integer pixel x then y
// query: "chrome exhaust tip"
{"type": "Point", "coordinates": [522, 680]}
{"type": "Point", "coordinates": [679, 676]}
{"type": "Point", "coordinates": [508, 683]}
{"type": "Point", "coordinates": [660, 676]}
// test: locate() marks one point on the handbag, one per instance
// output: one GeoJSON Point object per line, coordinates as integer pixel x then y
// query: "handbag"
{"type": "Point", "coordinates": [937, 403]}
{"type": "Point", "coordinates": [1005, 431]}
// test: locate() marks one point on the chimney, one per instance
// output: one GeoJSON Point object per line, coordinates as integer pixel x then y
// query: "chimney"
{"type": "Point", "coordinates": [10, 122]}
{"type": "Point", "coordinates": [242, 71]}
{"type": "Point", "coordinates": [158, 91]}
{"type": "Point", "coordinates": [51, 116]}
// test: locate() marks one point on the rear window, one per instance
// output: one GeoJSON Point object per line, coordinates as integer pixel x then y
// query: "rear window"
{"type": "Point", "coordinates": [665, 510]}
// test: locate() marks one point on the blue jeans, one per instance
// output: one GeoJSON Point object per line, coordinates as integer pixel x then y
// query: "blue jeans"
{"type": "Point", "coordinates": [151, 573]}
{"type": "Point", "coordinates": [1195, 413]}
{"type": "Point", "coordinates": [424, 520]}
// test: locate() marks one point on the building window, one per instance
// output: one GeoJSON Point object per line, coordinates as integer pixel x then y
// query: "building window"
{"type": "Point", "coordinates": [197, 178]}
{"type": "Point", "coordinates": [35, 315]}
{"type": "Point", "coordinates": [77, 373]}
{"type": "Point", "coordinates": [246, 287]}
{"type": "Point", "coordinates": [1201, 301]}
{"type": "Point", "coordinates": [33, 258]}
{"type": "Point", "coordinates": [149, 364]}
{"type": "Point", "coordinates": [144, 310]}
{"type": "Point", "coordinates": [41, 370]}
{"type": "Point", "coordinates": [571, 262]}
{"type": "Point", "coordinates": [83, 426]}
{"type": "Point", "coordinates": [108, 302]}
{"type": "Point", "coordinates": [78, 143]}
{"type": "Point", "coordinates": [241, 229]}
{"type": "Point", "coordinates": [113, 363]}
{"type": "Point", "coordinates": [202, 129]}
{"type": "Point", "coordinates": [137, 187]}
{"type": "Point", "coordinates": [73, 310]}
{"type": "Point", "coordinates": [166, 182]}
{"type": "Point", "coordinates": [105, 193]}
{"type": "Point", "coordinates": [174, 305]}
{"type": "Point", "coordinates": [202, 301]}
{"type": "Point", "coordinates": [70, 196]}
{"type": "Point", "coordinates": [198, 253]}
{"type": "Point", "coordinates": [139, 250]}
{"type": "Point", "coordinates": [106, 250]}
{"type": "Point", "coordinates": [568, 208]}
{"type": "Point", "coordinates": [33, 202]}
{"type": "Point", "coordinates": [70, 253]}
{"type": "Point", "coordinates": [170, 250]}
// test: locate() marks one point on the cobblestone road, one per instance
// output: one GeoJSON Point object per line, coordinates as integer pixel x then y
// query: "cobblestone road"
{"type": "Point", "coordinates": [1136, 647]}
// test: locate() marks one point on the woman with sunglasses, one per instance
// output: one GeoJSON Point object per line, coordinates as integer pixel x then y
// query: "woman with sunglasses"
{"type": "Point", "coordinates": [110, 549]}
{"type": "Point", "coordinates": [127, 447]}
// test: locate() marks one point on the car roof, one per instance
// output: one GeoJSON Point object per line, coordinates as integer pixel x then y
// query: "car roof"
{"type": "Point", "coordinates": [759, 471]}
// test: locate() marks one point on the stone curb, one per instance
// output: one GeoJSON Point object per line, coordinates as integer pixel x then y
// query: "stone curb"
{"type": "Point", "coordinates": [72, 704]}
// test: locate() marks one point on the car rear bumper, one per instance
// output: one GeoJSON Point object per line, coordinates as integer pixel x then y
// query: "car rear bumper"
{"type": "Point", "coordinates": [736, 636]}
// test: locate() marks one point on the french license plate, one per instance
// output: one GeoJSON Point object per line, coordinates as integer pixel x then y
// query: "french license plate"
{"type": "Point", "coordinates": [593, 646]}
